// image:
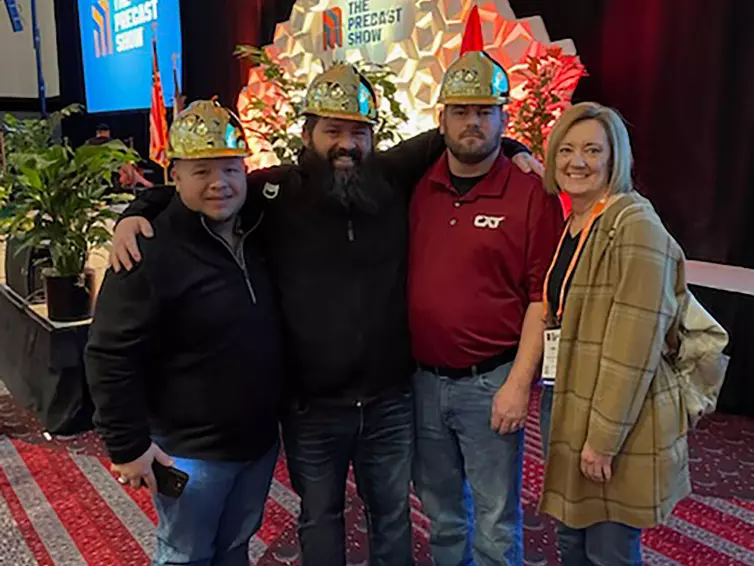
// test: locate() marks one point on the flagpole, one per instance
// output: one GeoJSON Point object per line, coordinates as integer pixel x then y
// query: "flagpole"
{"type": "Point", "coordinates": [37, 35]}
{"type": "Point", "coordinates": [158, 127]}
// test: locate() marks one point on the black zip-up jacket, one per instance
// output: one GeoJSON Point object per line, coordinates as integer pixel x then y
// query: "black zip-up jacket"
{"type": "Point", "coordinates": [187, 348]}
{"type": "Point", "coordinates": [341, 275]}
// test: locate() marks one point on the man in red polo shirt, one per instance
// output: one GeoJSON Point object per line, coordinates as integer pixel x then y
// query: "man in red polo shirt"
{"type": "Point", "coordinates": [483, 234]}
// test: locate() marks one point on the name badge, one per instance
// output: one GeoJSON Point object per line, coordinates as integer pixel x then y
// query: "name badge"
{"type": "Point", "coordinates": [550, 359]}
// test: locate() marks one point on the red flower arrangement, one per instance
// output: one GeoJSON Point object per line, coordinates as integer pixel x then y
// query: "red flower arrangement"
{"type": "Point", "coordinates": [549, 82]}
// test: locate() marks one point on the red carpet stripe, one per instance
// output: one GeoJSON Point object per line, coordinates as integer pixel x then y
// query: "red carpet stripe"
{"type": "Point", "coordinates": [281, 471]}
{"type": "Point", "coordinates": [23, 524]}
{"type": "Point", "coordinates": [420, 521]}
{"type": "Point", "coordinates": [123, 545]}
{"type": "Point", "coordinates": [722, 545]}
{"type": "Point", "coordinates": [44, 519]}
{"type": "Point", "coordinates": [276, 521]}
{"type": "Point", "coordinates": [726, 506]}
{"type": "Point", "coordinates": [717, 523]}
{"type": "Point", "coordinates": [685, 550]}
{"type": "Point", "coordinates": [86, 534]}
{"type": "Point", "coordinates": [128, 512]}
{"type": "Point", "coordinates": [285, 497]}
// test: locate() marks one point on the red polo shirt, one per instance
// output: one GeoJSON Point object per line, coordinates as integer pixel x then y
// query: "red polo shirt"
{"type": "Point", "coordinates": [477, 261]}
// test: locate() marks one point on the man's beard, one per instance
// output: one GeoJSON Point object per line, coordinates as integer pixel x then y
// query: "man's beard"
{"type": "Point", "coordinates": [478, 154]}
{"type": "Point", "coordinates": [360, 187]}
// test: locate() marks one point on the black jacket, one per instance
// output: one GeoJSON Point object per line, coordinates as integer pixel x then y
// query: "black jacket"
{"type": "Point", "coordinates": [341, 275]}
{"type": "Point", "coordinates": [186, 347]}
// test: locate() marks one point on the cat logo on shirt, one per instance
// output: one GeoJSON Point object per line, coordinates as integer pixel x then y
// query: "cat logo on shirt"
{"type": "Point", "coordinates": [491, 222]}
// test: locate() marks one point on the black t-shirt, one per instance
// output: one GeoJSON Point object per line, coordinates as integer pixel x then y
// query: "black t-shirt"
{"type": "Point", "coordinates": [464, 184]}
{"type": "Point", "coordinates": [559, 271]}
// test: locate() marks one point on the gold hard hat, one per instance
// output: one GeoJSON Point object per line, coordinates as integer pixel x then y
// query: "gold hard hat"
{"type": "Point", "coordinates": [206, 130]}
{"type": "Point", "coordinates": [341, 92]}
{"type": "Point", "coordinates": [475, 78]}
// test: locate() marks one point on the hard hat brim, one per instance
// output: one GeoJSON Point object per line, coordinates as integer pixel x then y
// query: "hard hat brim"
{"type": "Point", "coordinates": [210, 154]}
{"type": "Point", "coordinates": [481, 101]}
{"type": "Point", "coordinates": [340, 116]}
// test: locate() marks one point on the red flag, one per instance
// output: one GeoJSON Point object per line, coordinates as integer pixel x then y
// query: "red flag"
{"type": "Point", "coordinates": [472, 35]}
{"type": "Point", "coordinates": [158, 122]}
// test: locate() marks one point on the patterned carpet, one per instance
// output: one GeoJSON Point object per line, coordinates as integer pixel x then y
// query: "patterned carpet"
{"type": "Point", "coordinates": [61, 506]}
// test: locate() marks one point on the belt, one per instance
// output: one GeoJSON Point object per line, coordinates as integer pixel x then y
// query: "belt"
{"type": "Point", "coordinates": [484, 366]}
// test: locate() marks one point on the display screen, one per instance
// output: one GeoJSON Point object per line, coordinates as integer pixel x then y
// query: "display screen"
{"type": "Point", "coordinates": [116, 45]}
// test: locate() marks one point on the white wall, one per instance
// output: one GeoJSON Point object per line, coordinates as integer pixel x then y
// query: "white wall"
{"type": "Point", "coordinates": [18, 67]}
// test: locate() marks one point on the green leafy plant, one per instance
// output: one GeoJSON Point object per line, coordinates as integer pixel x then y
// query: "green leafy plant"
{"type": "Point", "coordinates": [274, 120]}
{"type": "Point", "coordinates": [56, 196]}
{"type": "Point", "coordinates": [24, 135]}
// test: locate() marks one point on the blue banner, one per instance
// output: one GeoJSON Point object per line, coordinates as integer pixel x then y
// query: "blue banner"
{"type": "Point", "coordinates": [116, 44]}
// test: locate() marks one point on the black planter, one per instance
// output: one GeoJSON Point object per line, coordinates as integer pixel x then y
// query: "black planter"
{"type": "Point", "coordinates": [23, 270]}
{"type": "Point", "coordinates": [69, 298]}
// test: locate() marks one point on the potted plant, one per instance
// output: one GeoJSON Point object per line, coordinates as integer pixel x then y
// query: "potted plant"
{"type": "Point", "coordinates": [61, 198]}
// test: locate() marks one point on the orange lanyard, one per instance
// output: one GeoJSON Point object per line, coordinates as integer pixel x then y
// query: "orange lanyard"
{"type": "Point", "coordinates": [597, 211]}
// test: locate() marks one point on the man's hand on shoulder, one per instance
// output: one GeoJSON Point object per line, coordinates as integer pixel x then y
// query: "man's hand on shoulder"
{"type": "Point", "coordinates": [125, 248]}
{"type": "Point", "coordinates": [528, 163]}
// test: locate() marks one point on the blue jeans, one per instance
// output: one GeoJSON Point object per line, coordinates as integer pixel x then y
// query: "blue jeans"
{"type": "Point", "coordinates": [601, 544]}
{"type": "Point", "coordinates": [455, 450]}
{"type": "Point", "coordinates": [220, 509]}
{"type": "Point", "coordinates": [320, 443]}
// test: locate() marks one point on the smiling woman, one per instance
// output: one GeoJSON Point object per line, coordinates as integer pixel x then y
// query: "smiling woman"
{"type": "Point", "coordinates": [613, 417]}
{"type": "Point", "coordinates": [587, 139]}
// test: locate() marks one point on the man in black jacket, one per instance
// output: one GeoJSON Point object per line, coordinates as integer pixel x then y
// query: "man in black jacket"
{"type": "Point", "coordinates": [184, 358]}
{"type": "Point", "coordinates": [335, 232]}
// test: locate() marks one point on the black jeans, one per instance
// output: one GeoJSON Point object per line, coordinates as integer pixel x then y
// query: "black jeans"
{"type": "Point", "coordinates": [320, 443]}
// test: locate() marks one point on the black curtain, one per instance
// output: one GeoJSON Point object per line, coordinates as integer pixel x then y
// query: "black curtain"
{"type": "Point", "coordinates": [682, 74]}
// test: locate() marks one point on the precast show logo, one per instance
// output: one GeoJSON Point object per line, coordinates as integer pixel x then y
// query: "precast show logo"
{"type": "Point", "coordinates": [103, 29]}
{"type": "Point", "coordinates": [119, 25]}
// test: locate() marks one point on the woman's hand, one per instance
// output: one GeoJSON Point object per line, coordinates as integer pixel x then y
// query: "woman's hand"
{"type": "Point", "coordinates": [596, 467]}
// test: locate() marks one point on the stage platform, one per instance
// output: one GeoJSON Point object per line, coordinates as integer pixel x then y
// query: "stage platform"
{"type": "Point", "coordinates": [41, 361]}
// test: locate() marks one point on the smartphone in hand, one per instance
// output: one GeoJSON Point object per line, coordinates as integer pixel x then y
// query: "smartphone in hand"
{"type": "Point", "coordinates": [170, 481]}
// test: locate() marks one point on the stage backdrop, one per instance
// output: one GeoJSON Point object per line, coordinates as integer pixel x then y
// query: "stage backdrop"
{"type": "Point", "coordinates": [680, 73]}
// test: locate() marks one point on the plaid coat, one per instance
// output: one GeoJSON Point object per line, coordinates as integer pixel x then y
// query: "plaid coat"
{"type": "Point", "coordinates": [613, 389]}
